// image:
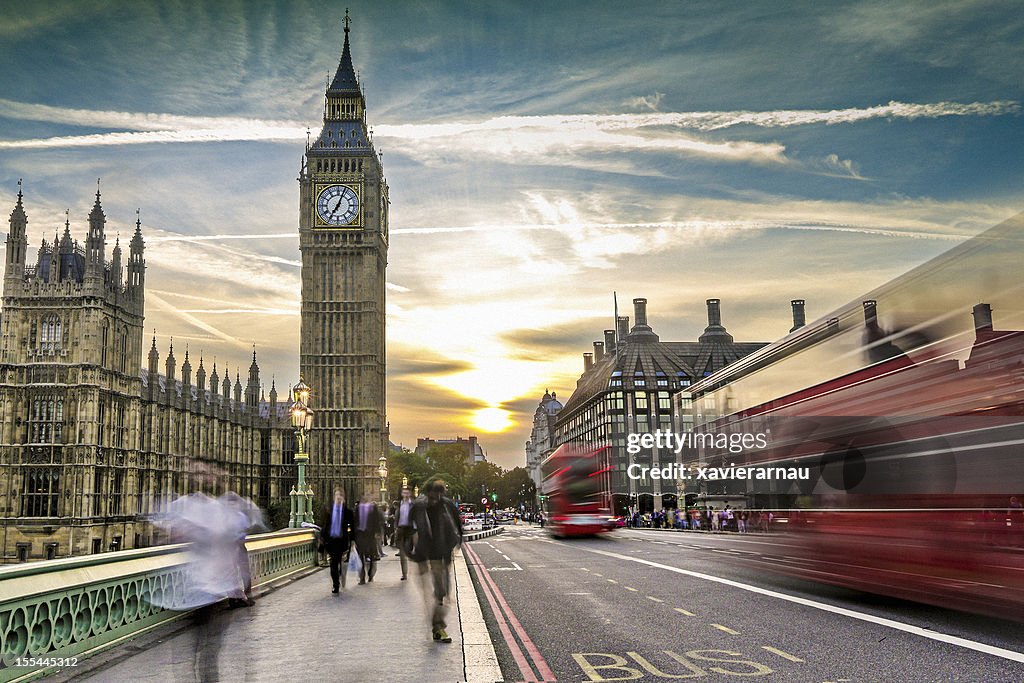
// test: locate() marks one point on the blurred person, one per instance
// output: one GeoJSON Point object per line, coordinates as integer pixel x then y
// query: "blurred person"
{"type": "Point", "coordinates": [389, 524]}
{"type": "Point", "coordinates": [403, 530]}
{"type": "Point", "coordinates": [368, 526]}
{"type": "Point", "coordinates": [247, 519]}
{"type": "Point", "coordinates": [336, 522]}
{"type": "Point", "coordinates": [438, 531]}
{"type": "Point", "coordinates": [211, 574]}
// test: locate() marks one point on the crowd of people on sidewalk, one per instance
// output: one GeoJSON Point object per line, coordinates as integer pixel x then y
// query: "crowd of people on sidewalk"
{"type": "Point", "coordinates": [705, 518]}
{"type": "Point", "coordinates": [425, 531]}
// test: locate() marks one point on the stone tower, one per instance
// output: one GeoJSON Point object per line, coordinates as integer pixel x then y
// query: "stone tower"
{"type": "Point", "coordinates": [343, 237]}
{"type": "Point", "coordinates": [70, 352]}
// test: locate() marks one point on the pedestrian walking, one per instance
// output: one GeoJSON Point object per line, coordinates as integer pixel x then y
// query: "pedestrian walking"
{"type": "Point", "coordinates": [403, 529]}
{"type": "Point", "coordinates": [368, 526]}
{"type": "Point", "coordinates": [438, 531]}
{"type": "Point", "coordinates": [336, 537]}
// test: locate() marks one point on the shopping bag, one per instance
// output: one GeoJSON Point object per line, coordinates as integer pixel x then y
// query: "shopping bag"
{"type": "Point", "coordinates": [354, 562]}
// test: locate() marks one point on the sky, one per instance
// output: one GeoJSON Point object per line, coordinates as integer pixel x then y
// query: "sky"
{"type": "Point", "coordinates": [540, 157]}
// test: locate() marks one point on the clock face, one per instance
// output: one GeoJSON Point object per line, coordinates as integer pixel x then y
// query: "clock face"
{"type": "Point", "coordinates": [337, 205]}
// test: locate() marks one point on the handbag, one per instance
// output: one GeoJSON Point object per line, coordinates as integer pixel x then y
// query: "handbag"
{"type": "Point", "coordinates": [355, 563]}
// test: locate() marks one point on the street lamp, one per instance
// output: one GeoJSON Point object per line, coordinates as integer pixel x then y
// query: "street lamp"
{"type": "Point", "coordinates": [302, 421]}
{"type": "Point", "coordinates": [382, 472]}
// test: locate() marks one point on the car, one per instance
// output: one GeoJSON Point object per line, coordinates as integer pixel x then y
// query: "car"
{"type": "Point", "coordinates": [616, 522]}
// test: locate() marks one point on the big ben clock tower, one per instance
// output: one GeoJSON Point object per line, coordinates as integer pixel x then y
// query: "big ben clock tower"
{"type": "Point", "coordinates": [343, 236]}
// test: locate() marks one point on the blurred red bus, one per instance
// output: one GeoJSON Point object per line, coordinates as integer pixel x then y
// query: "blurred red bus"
{"type": "Point", "coordinates": [576, 485]}
{"type": "Point", "coordinates": [907, 409]}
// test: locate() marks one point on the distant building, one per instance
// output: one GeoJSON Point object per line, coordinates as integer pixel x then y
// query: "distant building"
{"type": "Point", "coordinates": [626, 387]}
{"type": "Point", "coordinates": [470, 448]}
{"type": "Point", "coordinates": [542, 436]}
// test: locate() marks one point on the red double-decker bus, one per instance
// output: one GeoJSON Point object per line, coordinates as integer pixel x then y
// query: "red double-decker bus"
{"type": "Point", "coordinates": [906, 409]}
{"type": "Point", "coordinates": [576, 487]}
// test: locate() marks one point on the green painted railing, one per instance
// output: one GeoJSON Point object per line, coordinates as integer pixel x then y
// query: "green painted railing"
{"type": "Point", "coordinates": [73, 608]}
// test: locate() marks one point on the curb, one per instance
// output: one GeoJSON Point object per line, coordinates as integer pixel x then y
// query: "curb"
{"type": "Point", "coordinates": [477, 535]}
{"type": "Point", "coordinates": [481, 662]}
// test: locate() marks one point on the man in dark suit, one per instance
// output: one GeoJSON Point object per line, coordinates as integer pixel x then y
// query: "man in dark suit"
{"type": "Point", "coordinates": [403, 528]}
{"type": "Point", "coordinates": [336, 526]}
{"type": "Point", "coordinates": [368, 524]}
{"type": "Point", "coordinates": [438, 531]}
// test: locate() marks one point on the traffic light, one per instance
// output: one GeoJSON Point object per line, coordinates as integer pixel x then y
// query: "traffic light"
{"type": "Point", "coordinates": [494, 497]}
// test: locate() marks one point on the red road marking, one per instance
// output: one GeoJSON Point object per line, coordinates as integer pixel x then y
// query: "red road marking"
{"type": "Point", "coordinates": [513, 646]}
{"type": "Point", "coordinates": [538, 660]}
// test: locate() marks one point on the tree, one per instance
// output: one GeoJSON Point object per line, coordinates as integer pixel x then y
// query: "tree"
{"type": "Point", "coordinates": [516, 488]}
{"type": "Point", "coordinates": [485, 475]}
{"type": "Point", "coordinates": [407, 464]}
{"type": "Point", "coordinates": [450, 460]}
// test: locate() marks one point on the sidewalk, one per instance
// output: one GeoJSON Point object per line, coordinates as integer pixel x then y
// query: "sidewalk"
{"type": "Point", "coordinates": [375, 632]}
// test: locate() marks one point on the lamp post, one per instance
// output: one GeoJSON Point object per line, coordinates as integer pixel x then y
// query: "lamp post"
{"type": "Point", "coordinates": [382, 472]}
{"type": "Point", "coordinates": [302, 420]}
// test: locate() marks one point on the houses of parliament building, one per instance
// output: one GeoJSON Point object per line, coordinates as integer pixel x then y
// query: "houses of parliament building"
{"type": "Point", "coordinates": [93, 442]}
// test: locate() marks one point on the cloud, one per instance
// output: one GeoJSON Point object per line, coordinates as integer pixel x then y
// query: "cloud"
{"type": "Point", "coordinates": [533, 343]}
{"type": "Point", "coordinates": [572, 139]}
{"type": "Point", "coordinates": [645, 102]}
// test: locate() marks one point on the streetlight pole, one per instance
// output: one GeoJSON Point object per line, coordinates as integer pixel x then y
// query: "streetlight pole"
{"type": "Point", "coordinates": [302, 420]}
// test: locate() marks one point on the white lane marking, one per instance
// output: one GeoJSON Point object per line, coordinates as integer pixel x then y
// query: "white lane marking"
{"type": "Point", "coordinates": [579, 593]}
{"type": "Point", "coordinates": [611, 580]}
{"type": "Point", "coordinates": [726, 629]}
{"type": "Point", "coordinates": [651, 597]}
{"type": "Point", "coordinates": [881, 621]}
{"type": "Point", "coordinates": [630, 588]}
{"type": "Point", "coordinates": [784, 655]}
{"type": "Point", "coordinates": [683, 611]}
{"type": "Point", "coordinates": [518, 568]}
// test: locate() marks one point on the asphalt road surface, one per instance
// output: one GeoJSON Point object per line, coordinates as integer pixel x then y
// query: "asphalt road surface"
{"type": "Point", "coordinates": [659, 606]}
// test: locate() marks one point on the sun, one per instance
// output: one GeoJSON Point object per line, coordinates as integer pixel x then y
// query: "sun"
{"type": "Point", "coordinates": [491, 420]}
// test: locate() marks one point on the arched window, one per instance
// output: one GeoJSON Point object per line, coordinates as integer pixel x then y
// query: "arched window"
{"type": "Point", "coordinates": [46, 420]}
{"type": "Point", "coordinates": [104, 342]}
{"type": "Point", "coordinates": [50, 334]}
{"type": "Point", "coordinates": [123, 346]}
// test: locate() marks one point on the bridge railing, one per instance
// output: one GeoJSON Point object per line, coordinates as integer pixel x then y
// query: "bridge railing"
{"type": "Point", "coordinates": [60, 610]}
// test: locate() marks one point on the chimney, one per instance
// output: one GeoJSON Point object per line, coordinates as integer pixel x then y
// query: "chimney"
{"type": "Point", "coordinates": [598, 351]}
{"type": "Point", "coordinates": [622, 330]}
{"type": "Point", "coordinates": [588, 361]}
{"type": "Point", "coordinates": [982, 318]}
{"type": "Point", "coordinates": [714, 332]}
{"type": "Point", "coordinates": [609, 342]}
{"type": "Point", "coordinates": [714, 313]}
{"type": "Point", "coordinates": [799, 320]}
{"type": "Point", "coordinates": [641, 330]}
{"type": "Point", "coordinates": [640, 311]}
{"type": "Point", "coordinates": [870, 314]}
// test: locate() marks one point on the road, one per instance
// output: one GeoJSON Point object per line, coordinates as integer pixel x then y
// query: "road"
{"type": "Point", "coordinates": [655, 605]}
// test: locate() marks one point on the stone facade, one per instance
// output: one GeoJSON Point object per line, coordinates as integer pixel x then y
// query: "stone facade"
{"type": "Point", "coordinates": [542, 436]}
{"type": "Point", "coordinates": [343, 236]}
{"type": "Point", "coordinates": [91, 443]}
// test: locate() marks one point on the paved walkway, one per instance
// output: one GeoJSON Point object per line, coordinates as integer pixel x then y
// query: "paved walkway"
{"type": "Point", "coordinates": [375, 632]}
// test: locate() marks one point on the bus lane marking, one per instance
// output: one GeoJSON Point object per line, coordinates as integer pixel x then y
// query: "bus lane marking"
{"type": "Point", "coordinates": [784, 655]}
{"type": "Point", "coordinates": [621, 669]}
{"type": "Point", "coordinates": [843, 611]}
